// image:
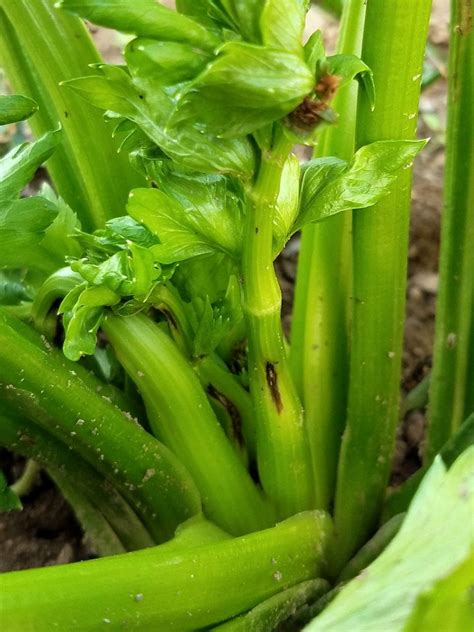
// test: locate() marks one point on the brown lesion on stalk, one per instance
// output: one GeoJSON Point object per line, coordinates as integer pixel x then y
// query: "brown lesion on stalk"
{"type": "Point", "coordinates": [272, 382]}
{"type": "Point", "coordinates": [232, 409]}
{"type": "Point", "coordinates": [314, 108]}
{"type": "Point", "coordinates": [169, 317]}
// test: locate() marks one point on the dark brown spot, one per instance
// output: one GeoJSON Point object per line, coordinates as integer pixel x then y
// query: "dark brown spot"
{"type": "Point", "coordinates": [272, 381]}
{"type": "Point", "coordinates": [169, 317]}
{"type": "Point", "coordinates": [238, 361]}
{"type": "Point", "coordinates": [233, 411]}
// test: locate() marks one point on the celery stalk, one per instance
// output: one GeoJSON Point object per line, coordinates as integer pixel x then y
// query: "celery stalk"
{"type": "Point", "coordinates": [451, 385]}
{"type": "Point", "coordinates": [394, 41]}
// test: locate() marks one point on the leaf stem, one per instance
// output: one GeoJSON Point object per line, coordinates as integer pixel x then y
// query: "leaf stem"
{"type": "Point", "coordinates": [216, 378]}
{"type": "Point", "coordinates": [90, 495]}
{"type": "Point", "coordinates": [394, 42]}
{"type": "Point", "coordinates": [181, 416]}
{"type": "Point", "coordinates": [320, 337]}
{"type": "Point", "coordinates": [454, 314]}
{"type": "Point", "coordinates": [283, 456]}
{"type": "Point", "coordinates": [157, 589]}
{"type": "Point", "coordinates": [41, 384]}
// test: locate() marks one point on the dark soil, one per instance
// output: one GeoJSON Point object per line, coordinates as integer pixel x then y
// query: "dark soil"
{"type": "Point", "coordinates": [46, 531]}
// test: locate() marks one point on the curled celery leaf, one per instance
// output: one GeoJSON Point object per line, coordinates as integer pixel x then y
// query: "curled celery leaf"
{"type": "Point", "coordinates": [18, 167]}
{"type": "Point", "coordinates": [282, 24]}
{"type": "Point", "coordinates": [145, 18]}
{"type": "Point", "coordinates": [151, 110]}
{"type": "Point", "coordinates": [331, 186]}
{"type": "Point", "coordinates": [197, 220]}
{"type": "Point", "coordinates": [245, 88]}
{"type": "Point", "coordinates": [16, 108]}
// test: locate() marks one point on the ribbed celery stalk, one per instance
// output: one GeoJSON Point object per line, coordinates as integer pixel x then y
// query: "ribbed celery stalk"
{"type": "Point", "coordinates": [40, 47]}
{"type": "Point", "coordinates": [394, 42]}
{"type": "Point", "coordinates": [181, 416]}
{"type": "Point", "coordinates": [319, 337]}
{"type": "Point", "coordinates": [222, 385]}
{"type": "Point", "coordinates": [212, 371]}
{"type": "Point", "coordinates": [47, 388]}
{"type": "Point", "coordinates": [284, 460]}
{"type": "Point", "coordinates": [90, 495]}
{"type": "Point", "coordinates": [469, 403]}
{"type": "Point", "coordinates": [454, 314]}
{"type": "Point", "coordinates": [278, 611]}
{"type": "Point", "coordinates": [161, 590]}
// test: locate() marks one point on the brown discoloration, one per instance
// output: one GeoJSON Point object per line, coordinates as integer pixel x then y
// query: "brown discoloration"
{"type": "Point", "coordinates": [465, 18]}
{"type": "Point", "coordinates": [309, 113]}
{"type": "Point", "coordinates": [272, 381]}
{"type": "Point", "coordinates": [238, 361]}
{"type": "Point", "coordinates": [169, 317]}
{"type": "Point", "coordinates": [327, 87]}
{"type": "Point", "coordinates": [233, 411]}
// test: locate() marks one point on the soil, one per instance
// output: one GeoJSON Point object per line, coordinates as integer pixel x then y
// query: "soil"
{"type": "Point", "coordinates": [46, 531]}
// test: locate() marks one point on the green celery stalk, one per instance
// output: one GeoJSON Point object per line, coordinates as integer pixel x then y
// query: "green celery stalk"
{"type": "Point", "coordinates": [181, 416]}
{"type": "Point", "coordinates": [394, 42]}
{"type": "Point", "coordinates": [40, 47]}
{"type": "Point", "coordinates": [90, 495]}
{"type": "Point", "coordinates": [48, 389]}
{"type": "Point", "coordinates": [157, 589]}
{"type": "Point", "coordinates": [278, 610]}
{"type": "Point", "coordinates": [469, 404]}
{"type": "Point", "coordinates": [27, 480]}
{"type": "Point", "coordinates": [284, 460]}
{"type": "Point", "coordinates": [372, 549]}
{"type": "Point", "coordinates": [319, 337]}
{"type": "Point", "coordinates": [211, 370]}
{"type": "Point", "coordinates": [450, 380]}
{"type": "Point", "coordinates": [221, 383]}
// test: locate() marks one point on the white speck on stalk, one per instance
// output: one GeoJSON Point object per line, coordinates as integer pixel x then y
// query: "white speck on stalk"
{"type": "Point", "coordinates": [451, 340]}
{"type": "Point", "coordinates": [391, 354]}
{"type": "Point", "coordinates": [278, 576]}
{"type": "Point", "coordinates": [138, 597]}
{"type": "Point", "coordinates": [150, 473]}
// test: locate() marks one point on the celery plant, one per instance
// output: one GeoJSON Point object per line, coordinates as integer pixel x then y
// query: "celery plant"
{"type": "Point", "coordinates": [176, 413]}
